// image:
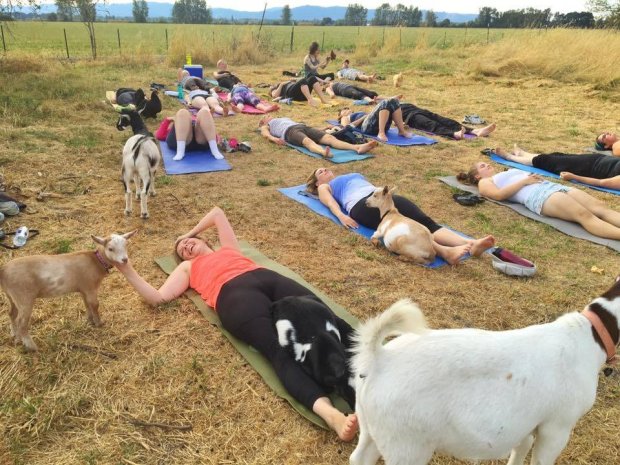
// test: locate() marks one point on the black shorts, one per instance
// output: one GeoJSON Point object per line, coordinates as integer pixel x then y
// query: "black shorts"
{"type": "Point", "coordinates": [171, 141]}
{"type": "Point", "coordinates": [296, 134]}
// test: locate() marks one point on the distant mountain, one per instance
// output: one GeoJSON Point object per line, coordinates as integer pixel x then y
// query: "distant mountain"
{"type": "Point", "coordinates": [300, 13]}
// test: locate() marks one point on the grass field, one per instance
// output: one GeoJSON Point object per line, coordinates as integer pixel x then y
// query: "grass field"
{"type": "Point", "coordinates": [65, 405]}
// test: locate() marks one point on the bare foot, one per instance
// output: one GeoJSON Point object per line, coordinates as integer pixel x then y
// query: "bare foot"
{"type": "Point", "coordinates": [327, 153]}
{"type": "Point", "coordinates": [480, 245]}
{"type": "Point", "coordinates": [459, 135]}
{"type": "Point", "coordinates": [454, 254]}
{"type": "Point", "coordinates": [346, 427]}
{"type": "Point", "coordinates": [237, 108]}
{"type": "Point", "coordinates": [382, 137]}
{"type": "Point", "coordinates": [483, 132]}
{"type": "Point", "coordinates": [367, 147]}
{"type": "Point", "coordinates": [406, 134]}
{"type": "Point", "coordinates": [313, 103]}
{"type": "Point", "coordinates": [518, 151]}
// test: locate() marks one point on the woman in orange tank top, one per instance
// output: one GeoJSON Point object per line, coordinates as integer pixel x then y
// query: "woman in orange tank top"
{"type": "Point", "coordinates": [242, 293]}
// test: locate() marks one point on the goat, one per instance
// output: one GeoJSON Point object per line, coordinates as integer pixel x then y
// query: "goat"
{"type": "Point", "coordinates": [401, 235]}
{"type": "Point", "coordinates": [478, 395]}
{"type": "Point", "coordinates": [141, 158]}
{"type": "Point", "coordinates": [25, 279]}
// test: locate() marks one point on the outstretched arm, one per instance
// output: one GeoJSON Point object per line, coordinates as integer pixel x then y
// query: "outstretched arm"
{"type": "Point", "coordinates": [264, 131]}
{"type": "Point", "coordinates": [609, 183]}
{"type": "Point", "coordinates": [216, 217]}
{"type": "Point", "coordinates": [327, 199]}
{"type": "Point", "coordinates": [175, 285]}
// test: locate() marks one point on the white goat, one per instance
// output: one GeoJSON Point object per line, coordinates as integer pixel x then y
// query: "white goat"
{"type": "Point", "coordinates": [476, 394]}
{"type": "Point", "coordinates": [25, 279]}
{"type": "Point", "coordinates": [401, 235]}
{"type": "Point", "coordinates": [141, 159]}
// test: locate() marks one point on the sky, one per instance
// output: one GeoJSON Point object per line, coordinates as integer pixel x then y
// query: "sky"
{"type": "Point", "coordinates": [451, 6]}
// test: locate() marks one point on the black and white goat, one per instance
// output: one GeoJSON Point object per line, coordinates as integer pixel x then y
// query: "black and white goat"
{"type": "Point", "coordinates": [317, 339]}
{"type": "Point", "coordinates": [141, 158]}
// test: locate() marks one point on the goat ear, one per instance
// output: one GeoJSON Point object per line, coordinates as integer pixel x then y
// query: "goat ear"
{"type": "Point", "coordinates": [386, 189]}
{"type": "Point", "coordinates": [98, 240]}
{"type": "Point", "coordinates": [129, 234]}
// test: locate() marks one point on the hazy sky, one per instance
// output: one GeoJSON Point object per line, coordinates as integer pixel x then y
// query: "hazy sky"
{"type": "Point", "coordinates": [452, 6]}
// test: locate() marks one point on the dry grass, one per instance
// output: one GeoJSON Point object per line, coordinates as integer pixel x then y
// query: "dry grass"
{"type": "Point", "coordinates": [67, 405]}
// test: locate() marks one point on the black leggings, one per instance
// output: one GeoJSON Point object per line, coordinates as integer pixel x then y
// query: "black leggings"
{"type": "Point", "coordinates": [243, 306]}
{"type": "Point", "coordinates": [425, 120]}
{"type": "Point", "coordinates": [354, 92]}
{"type": "Point", "coordinates": [293, 90]}
{"type": "Point", "coordinates": [370, 217]}
{"type": "Point", "coordinates": [590, 165]}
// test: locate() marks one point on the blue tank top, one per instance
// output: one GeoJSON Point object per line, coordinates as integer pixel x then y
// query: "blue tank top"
{"type": "Point", "coordinates": [349, 189]}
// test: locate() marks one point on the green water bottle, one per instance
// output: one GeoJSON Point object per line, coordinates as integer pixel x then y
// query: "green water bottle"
{"type": "Point", "coordinates": [180, 91]}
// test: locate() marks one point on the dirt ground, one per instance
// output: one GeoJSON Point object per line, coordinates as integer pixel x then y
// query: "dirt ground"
{"type": "Point", "coordinates": [67, 405]}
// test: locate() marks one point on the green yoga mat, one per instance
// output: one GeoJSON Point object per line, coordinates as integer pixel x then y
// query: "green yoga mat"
{"type": "Point", "coordinates": [260, 364]}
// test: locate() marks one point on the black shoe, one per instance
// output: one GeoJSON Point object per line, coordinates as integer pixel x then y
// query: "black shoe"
{"type": "Point", "coordinates": [467, 199]}
{"type": "Point", "coordinates": [156, 86]}
{"type": "Point", "coordinates": [487, 151]}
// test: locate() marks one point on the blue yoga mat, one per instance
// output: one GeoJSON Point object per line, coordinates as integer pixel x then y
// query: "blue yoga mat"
{"type": "Point", "coordinates": [297, 194]}
{"type": "Point", "coordinates": [531, 169]}
{"type": "Point", "coordinates": [194, 162]}
{"type": "Point", "coordinates": [338, 156]}
{"type": "Point", "coordinates": [394, 138]}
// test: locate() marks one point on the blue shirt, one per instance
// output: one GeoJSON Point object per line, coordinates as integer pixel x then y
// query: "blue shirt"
{"type": "Point", "coordinates": [349, 189]}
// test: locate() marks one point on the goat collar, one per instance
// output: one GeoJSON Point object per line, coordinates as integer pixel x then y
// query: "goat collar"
{"type": "Point", "coordinates": [107, 266]}
{"type": "Point", "coordinates": [603, 333]}
{"type": "Point", "coordinates": [385, 214]}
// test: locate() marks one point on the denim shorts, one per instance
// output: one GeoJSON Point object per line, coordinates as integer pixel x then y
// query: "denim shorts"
{"type": "Point", "coordinates": [541, 193]}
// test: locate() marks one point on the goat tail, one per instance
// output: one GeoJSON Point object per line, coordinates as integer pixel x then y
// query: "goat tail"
{"type": "Point", "coordinates": [402, 317]}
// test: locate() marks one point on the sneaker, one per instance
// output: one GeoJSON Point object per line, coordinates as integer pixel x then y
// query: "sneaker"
{"type": "Point", "coordinates": [245, 147]}
{"type": "Point", "coordinates": [511, 264]}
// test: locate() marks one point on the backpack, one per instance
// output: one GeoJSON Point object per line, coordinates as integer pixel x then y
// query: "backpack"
{"type": "Point", "coordinates": [347, 134]}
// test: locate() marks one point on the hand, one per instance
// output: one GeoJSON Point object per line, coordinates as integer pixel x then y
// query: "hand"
{"type": "Point", "coordinates": [122, 267]}
{"type": "Point", "coordinates": [181, 237]}
{"type": "Point", "coordinates": [567, 176]}
{"type": "Point", "coordinates": [348, 222]}
{"type": "Point", "coordinates": [532, 179]}
{"type": "Point", "coordinates": [280, 141]}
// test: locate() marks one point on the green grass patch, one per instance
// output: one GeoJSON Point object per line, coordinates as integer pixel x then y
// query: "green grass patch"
{"type": "Point", "coordinates": [263, 183]}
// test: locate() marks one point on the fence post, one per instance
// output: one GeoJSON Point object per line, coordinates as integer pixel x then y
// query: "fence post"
{"type": "Point", "coordinates": [292, 34]}
{"type": "Point", "coordinates": [323, 41]}
{"type": "Point", "coordinates": [3, 42]}
{"type": "Point", "coordinates": [466, 35]}
{"type": "Point", "coordinates": [383, 39]}
{"type": "Point", "coordinates": [400, 37]}
{"type": "Point", "coordinates": [213, 32]}
{"type": "Point", "coordinates": [66, 43]}
{"type": "Point", "coordinates": [358, 30]}
{"type": "Point", "coordinates": [488, 31]}
{"type": "Point", "coordinates": [444, 38]}
{"type": "Point", "coordinates": [118, 33]}
{"type": "Point", "coordinates": [166, 38]}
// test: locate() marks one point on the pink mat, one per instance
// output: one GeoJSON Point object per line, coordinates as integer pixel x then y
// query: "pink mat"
{"type": "Point", "coordinates": [249, 109]}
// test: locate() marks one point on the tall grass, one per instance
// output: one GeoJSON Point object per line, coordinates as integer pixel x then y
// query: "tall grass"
{"type": "Point", "coordinates": [560, 54]}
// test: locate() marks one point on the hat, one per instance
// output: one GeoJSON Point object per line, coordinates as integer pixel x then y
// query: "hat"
{"type": "Point", "coordinates": [511, 264]}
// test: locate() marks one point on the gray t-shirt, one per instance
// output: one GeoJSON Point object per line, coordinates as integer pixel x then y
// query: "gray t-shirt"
{"type": "Point", "coordinates": [279, 126]}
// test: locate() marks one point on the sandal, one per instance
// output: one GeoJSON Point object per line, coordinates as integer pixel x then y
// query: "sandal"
{"type": "Point", "coordinates": [488, 151]}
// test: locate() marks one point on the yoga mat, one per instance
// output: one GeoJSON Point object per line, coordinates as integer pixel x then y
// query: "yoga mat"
{"type": "Point", "coordinates": [194, 162]}
{"type": "Point", "coordinates": [531, 169]}
{"type": "Point", "coordinates": [331, 103]}
{"type": "Point", "coordinates": [338, 156]}
{"type": "Point", "coordinates": [394, 138]}
{"type": "Point", "coordinates": [258, 362]}
{"type": "Point", "coordinates": [567, 227]}
{"type": "Point", "coordinates": [299, 194]}
{"type": "Point", "coordinates": [595, 150]}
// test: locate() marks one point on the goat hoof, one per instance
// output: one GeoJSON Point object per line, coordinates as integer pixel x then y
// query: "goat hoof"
{"type": "Point", "coordinates": [29, 345]}
{"type": "Point", "coordinates": [145, 216]}
{"type": "Point", "coordinates": [153, 194]}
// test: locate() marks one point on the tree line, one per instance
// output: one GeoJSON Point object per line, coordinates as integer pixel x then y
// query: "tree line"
{"type": "Point", "coordinates": [197, 12]}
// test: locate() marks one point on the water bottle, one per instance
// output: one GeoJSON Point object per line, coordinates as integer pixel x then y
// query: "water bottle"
{"type": "Point", "coordinates": [287, 101]}
{"type": "Point", "coordinates": [21, 236]}
{"type": "Point", "coordinates": [188, 59]}
{"type": "Point", "coordinates": [180, 92]}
